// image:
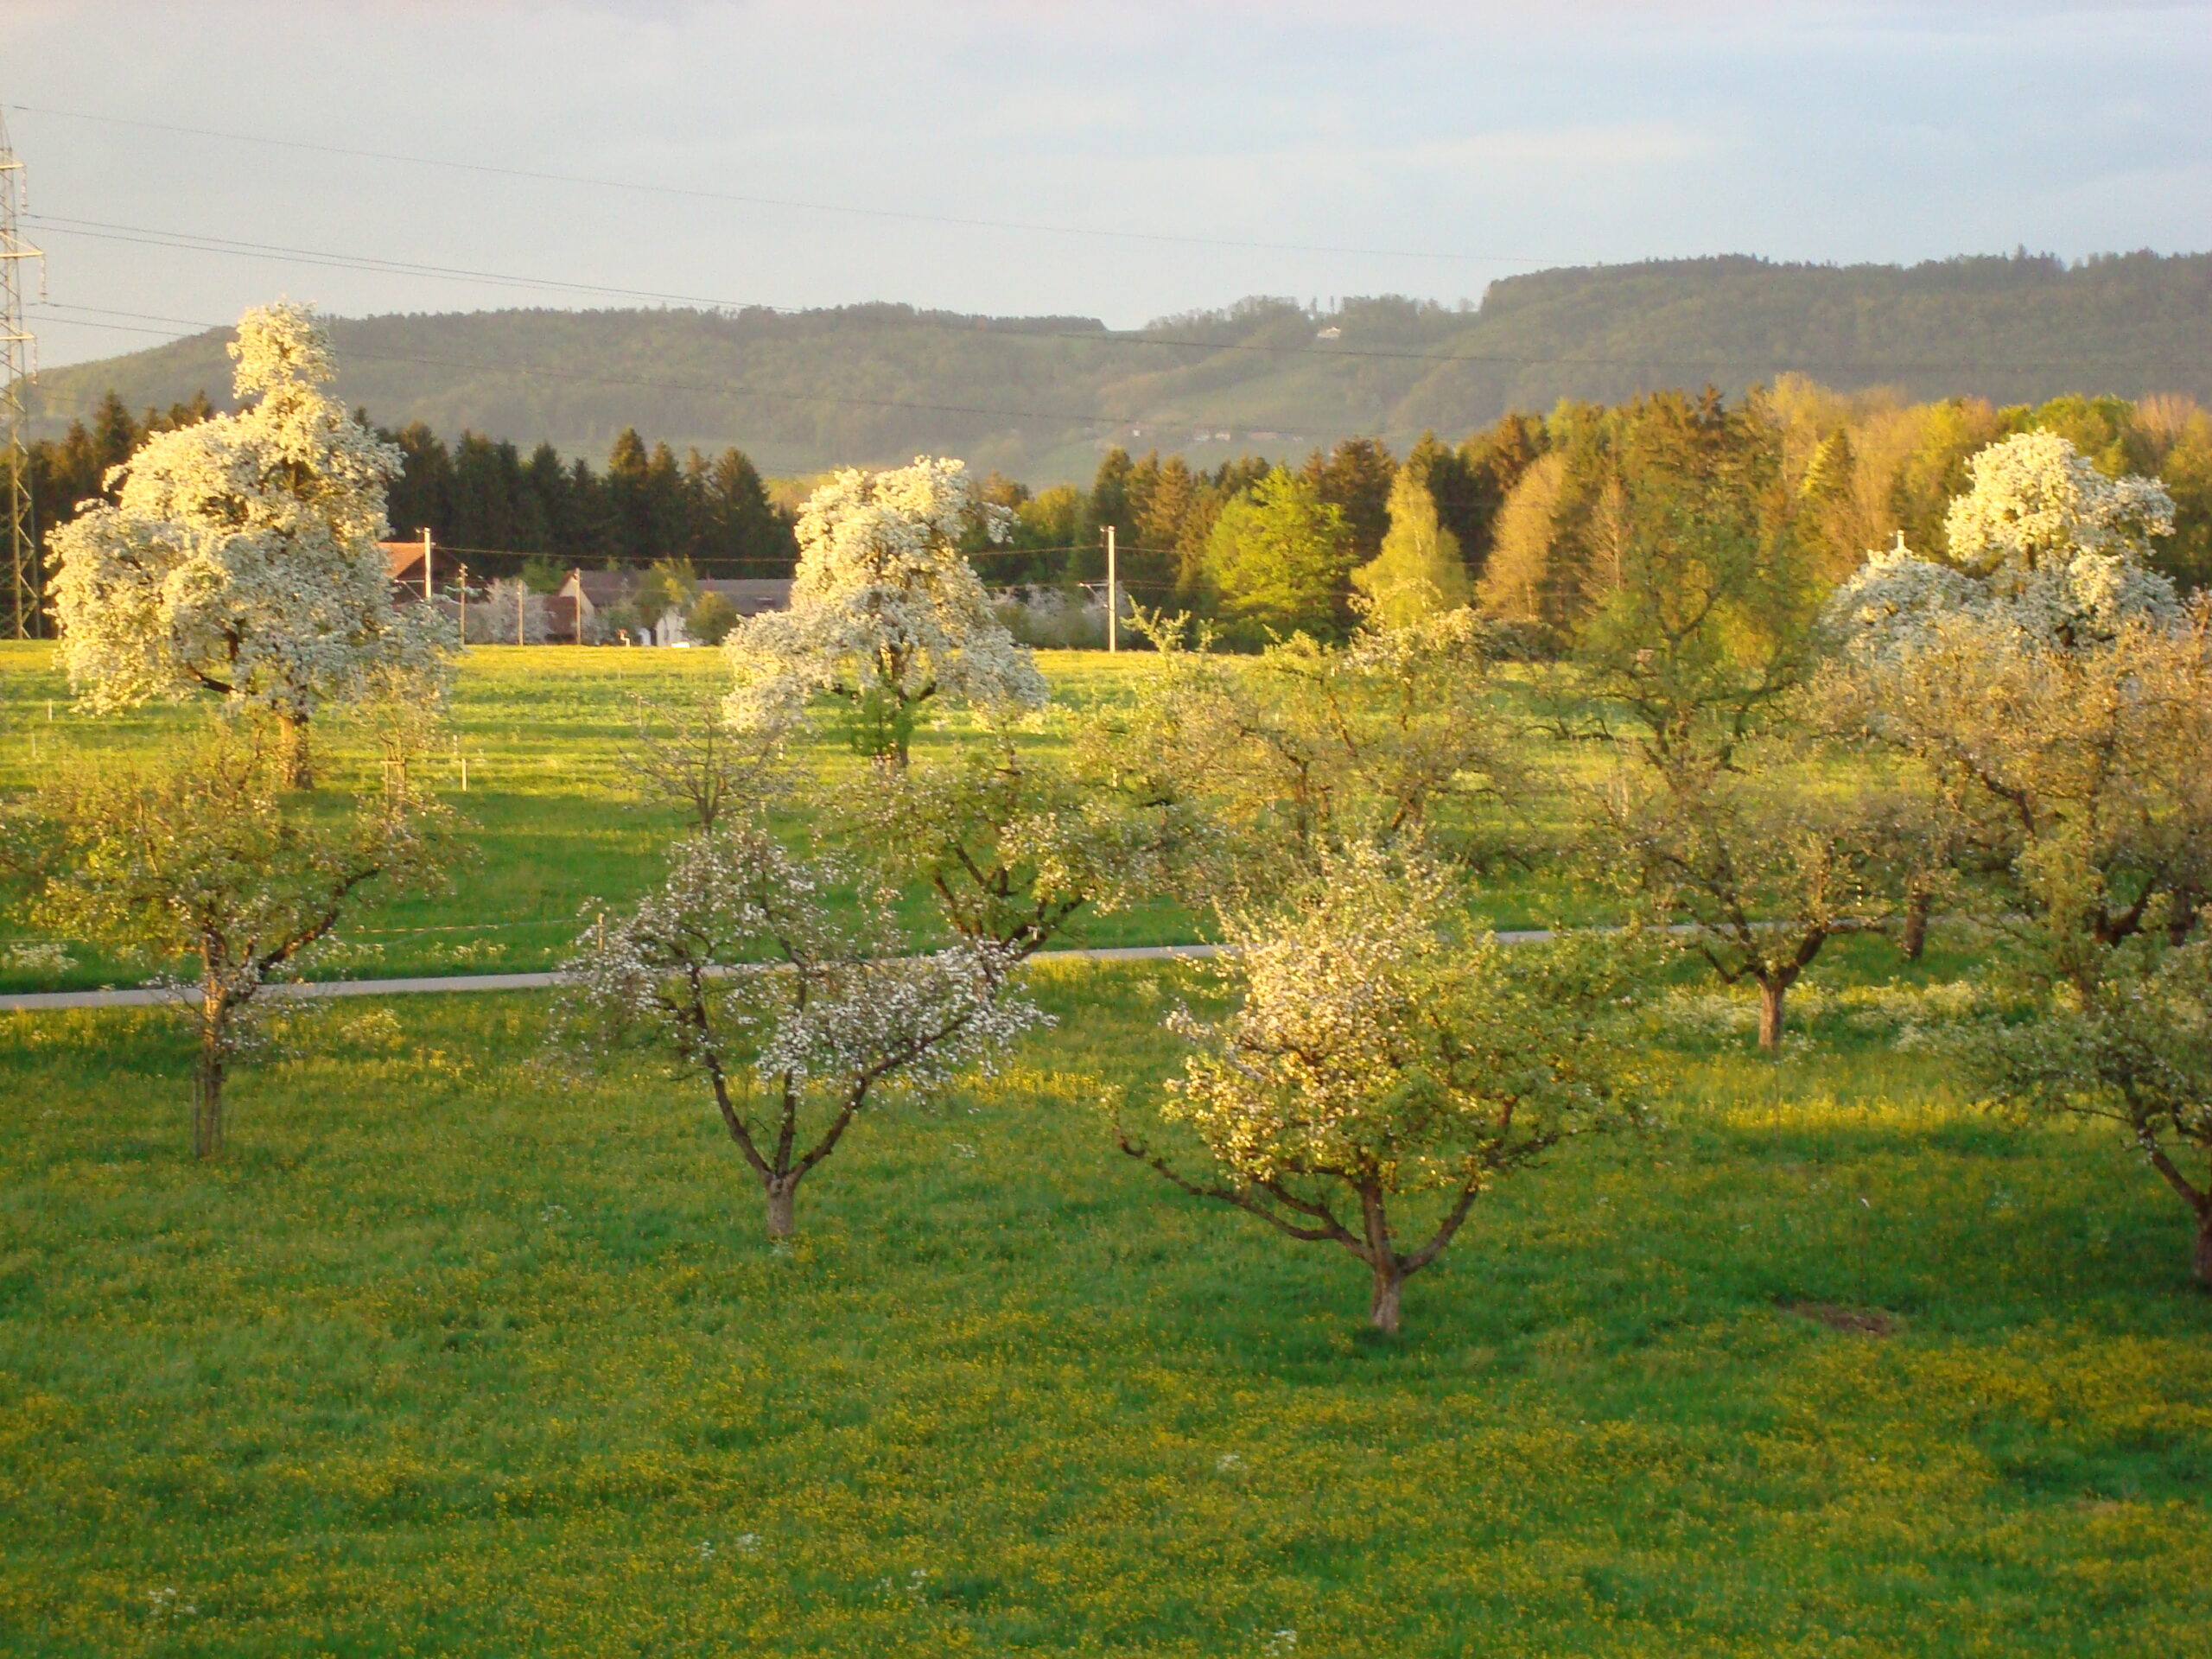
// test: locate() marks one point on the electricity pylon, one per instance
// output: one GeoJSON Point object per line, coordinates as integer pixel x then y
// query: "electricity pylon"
{"type": "Point", "coordinates": [18, 368]}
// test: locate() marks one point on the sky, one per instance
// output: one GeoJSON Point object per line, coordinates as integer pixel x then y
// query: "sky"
{"type": "Point", "coordinates": [1121, 160]}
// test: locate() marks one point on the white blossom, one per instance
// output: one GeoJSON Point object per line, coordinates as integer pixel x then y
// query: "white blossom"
{"type": "Point", "coordinates": [2046, 552]}
{"type": "Point", "coordinates": [789, 992]}
{"type": "Point", "coordinates": [241, 554]}
{"type": "Point", "coordinates": [1382, 1050]}
{"type": "Point", "coordinates": [886, 611]}
{"type": "Point", "coordinates": [2034, 499]}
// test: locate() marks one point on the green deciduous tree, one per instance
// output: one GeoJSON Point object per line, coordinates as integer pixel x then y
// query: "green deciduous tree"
{"type": "Point", "coordinates": [1418, 570]}
{"type": "Point", "coordinates": [1280, 559]}
{"type": "Point", "coordinates": [201, 856]}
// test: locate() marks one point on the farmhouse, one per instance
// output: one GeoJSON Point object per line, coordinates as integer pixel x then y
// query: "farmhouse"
{"type": "Point", "coordinates": [416, 567]}
{"type": "Point", "coordinates": [591, 607]}
{"type": "Point", "coordinates": [603, 601]}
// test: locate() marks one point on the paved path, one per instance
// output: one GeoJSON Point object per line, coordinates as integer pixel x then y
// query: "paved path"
{"type": "Point", "coordinates": [30, 1002]}
{"type": "Point", "coordinates": [140, 998]}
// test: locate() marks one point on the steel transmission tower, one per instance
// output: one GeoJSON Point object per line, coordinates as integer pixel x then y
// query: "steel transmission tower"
{"type": "Point", "coordinates": [18, 368]}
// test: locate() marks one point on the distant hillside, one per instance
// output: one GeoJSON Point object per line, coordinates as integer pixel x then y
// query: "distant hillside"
{"type": "Point", "coordinates": [1040, 397]}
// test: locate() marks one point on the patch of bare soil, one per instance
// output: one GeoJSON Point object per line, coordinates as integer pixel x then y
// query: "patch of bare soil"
{"type": "Point", "coordinates": [1854, 1321]}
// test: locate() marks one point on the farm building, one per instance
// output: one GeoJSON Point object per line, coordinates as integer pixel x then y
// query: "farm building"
{"type": "Point", "coordinates": [599, 597]}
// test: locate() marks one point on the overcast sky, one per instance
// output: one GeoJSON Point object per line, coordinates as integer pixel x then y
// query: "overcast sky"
{"type": "Point", "coordinates": [1118, 161]}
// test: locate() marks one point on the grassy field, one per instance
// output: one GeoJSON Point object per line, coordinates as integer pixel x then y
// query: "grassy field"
{"type": "Point", "coordinates": [452, 1356]}
{"type": "Point", "coordinates": [449, 1360]}
{"type": "Point", "coordinates": [551, 822]}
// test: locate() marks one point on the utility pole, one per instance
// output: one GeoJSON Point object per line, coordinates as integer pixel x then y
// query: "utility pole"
{"type": "Point", "coordinates": [1113, 596]}
{"type": "Point", "coordinates": [464, 606]}
{"type": "Point", "coordinates": [429, 593]}
{"type": "Point", "coordinates": [18, 369]}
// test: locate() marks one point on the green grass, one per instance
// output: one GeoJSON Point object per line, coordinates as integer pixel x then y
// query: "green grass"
{"type": "Point", "coordinates": [550, 823]}
{"type": "Point", "coordinates": [449, 1358]}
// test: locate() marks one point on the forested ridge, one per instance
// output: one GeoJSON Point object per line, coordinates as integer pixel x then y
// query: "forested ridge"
{"type": "Point", "coordinates": [1041, 398]}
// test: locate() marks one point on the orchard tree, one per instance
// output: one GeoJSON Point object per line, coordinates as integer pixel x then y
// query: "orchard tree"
{"type": "Point", "coordinates": [685, 753]}
{"type": "Point", "coordinates": [1753, 868]}
{"type": "Point", "coordinates": [200, 857]}
{"type": "Point", "coordinates": [1694, 656]}
{"type": "Point", "coordinates": [885, 614]}
{"type": "Point", "coordinates": [1012, 842]}
{"type": "Point", "coordinates": [2135, 1050]}
{"type": "Point", "coordinates": [1395, 735]}
{"type": "Point", "coordinates": [1419, 571]}
{"type": "Point", "coordinates": [2081, 779]}
{"type": "Point", "coordinates": [2063, 699]}
{"type": "Point", "coordinates": [787, 991]}
{"type": "Point", "coordinates": [510, 613]}
{"type": "Point", "coordinates": [1387, 1065]}
{"type": "Point", "coordinates": [2057, 691]}
{"type": "Point", "coordinates": [239, 555]}
{"type": "Point", "coordinates": [2046, 554]}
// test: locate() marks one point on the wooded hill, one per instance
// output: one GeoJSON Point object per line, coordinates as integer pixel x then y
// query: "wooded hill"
{"type": "Point", "coordinates": [1040, 398]}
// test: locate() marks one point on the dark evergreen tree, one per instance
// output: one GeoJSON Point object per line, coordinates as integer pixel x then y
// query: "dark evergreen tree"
{"type": "Point", "coordinates": [422, 496]}
{"type": "Point", "coordinates": [1109, 504]}
{"type": "Point", "coordinates": [742, 525]}
{"type": "Point", "coordinates": [1354, 477]}
{"type": "Point", "coordinates": [627, 510]}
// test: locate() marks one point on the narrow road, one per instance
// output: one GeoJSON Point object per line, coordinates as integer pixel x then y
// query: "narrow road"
{"type": "Point", "coordinates": [35, 1002]}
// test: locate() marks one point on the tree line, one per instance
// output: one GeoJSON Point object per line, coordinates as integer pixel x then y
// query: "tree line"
{"type": "Point", "coordinates": [646, 505]}
{"type": "Point", "coordinates": [1526, 513]}
{"type": "Point", "coordinates": [1532, 513]}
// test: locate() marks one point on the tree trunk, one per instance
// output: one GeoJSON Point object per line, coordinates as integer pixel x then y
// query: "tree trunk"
{"type": "Point", "coordinates": [293, 757]}
{"type": "Point", "coordinates": [1382, 1308]}
{"type": "Point", "coordinates": [208, 1089]}
{"type": "Point", "coordinates": [1771, 992]}
{"type": "Point", "coordinates": [2181, 915]}
{"type": "Point", "coordinates": [782, 1193]}
{"type": "Point", "coordinates": [2201, 1263]}
{"type": "Point", "coordinates": [1918, 904]}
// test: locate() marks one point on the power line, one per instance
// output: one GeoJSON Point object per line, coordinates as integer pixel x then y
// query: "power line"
{"type": "Point", "coordinates": [192, 242]}
{"type": "Point", "coordinates": [694, 193]}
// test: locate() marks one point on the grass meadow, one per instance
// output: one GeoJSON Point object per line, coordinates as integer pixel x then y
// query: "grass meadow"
{"type": "Point", "coordinates": [550, 823]}
{"type": "Point", "coordinates": [449, 1356]}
